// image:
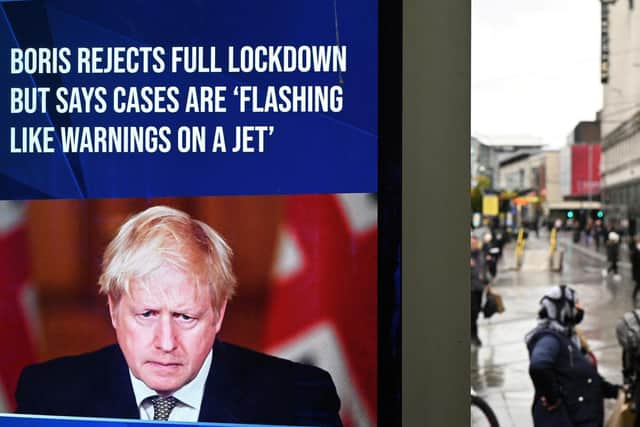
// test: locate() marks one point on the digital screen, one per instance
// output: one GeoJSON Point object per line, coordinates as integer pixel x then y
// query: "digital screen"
{"type": "Point", "coordinates": [256, 120]}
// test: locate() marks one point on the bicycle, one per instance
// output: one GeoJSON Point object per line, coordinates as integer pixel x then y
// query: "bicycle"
{"type": "Point", "coordinates": [481, 412]}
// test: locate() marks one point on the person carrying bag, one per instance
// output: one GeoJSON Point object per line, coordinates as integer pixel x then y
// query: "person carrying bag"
{"type": "Point", "coordinates": [569, 391]}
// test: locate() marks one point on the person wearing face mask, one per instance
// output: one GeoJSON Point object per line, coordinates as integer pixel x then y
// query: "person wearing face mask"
{"type": "Point", "coordinates": [634, 255]}
{"type": "Point", "coordinates": [569, 391]}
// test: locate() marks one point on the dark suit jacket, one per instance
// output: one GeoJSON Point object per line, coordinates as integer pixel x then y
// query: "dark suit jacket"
{"type": "Point", "coordinates": [242, 387]}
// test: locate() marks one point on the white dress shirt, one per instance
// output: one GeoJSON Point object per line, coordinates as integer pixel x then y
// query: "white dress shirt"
{"type": "Point", "coordinates": [189, 396]}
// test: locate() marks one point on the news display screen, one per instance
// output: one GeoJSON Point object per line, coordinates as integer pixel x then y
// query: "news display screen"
{"type": "Point", "coordinates": [259, 119]}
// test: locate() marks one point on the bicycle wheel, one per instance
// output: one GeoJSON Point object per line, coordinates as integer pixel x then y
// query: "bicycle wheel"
{"type": "Point", "coordinates": [481, 413]}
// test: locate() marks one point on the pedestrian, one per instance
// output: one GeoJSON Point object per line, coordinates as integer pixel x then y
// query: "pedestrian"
{"type": "Point", "coordinates": [628, 334]}
{"type": "Point", "coordinates": [577, 232]}
{"type": "Point", "coordinates": [558, 224]}
{"type": "Point", "coordinates": [478, 283]}
{"type": "Point", "coordinates": [597, 233]}
{"type": "Point", "coordinates": [490, 252]}
{"type": "Point", "coordinates": [604, 232]}
{"type": "Point", "coordinates": [499, 240]}
{"type": "Point", "coordinates": [588, 232]}
{"type": "Point", "coordinates": [613, 253]}
{"type": "Point", "coordinates": [634, 257]}
{"type": "Point", "coordinates": [569, 391]}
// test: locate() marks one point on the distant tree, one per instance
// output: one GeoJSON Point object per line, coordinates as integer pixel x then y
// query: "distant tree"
{"type": "Point", "coordinates": [482, 183]}
{"type": "Point", "coordinates": [476, 200]}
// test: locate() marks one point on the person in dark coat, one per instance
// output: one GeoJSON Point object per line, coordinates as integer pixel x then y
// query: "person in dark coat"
{"type": "Point", "coordinates": [478, 282]}
{"type": "Point", "coordinates": [634, 257]}
{"type": "Point", "coordinates": [613, 254]}
{"type": "Point", "coordinates": [569, 391]}
{"type": "Point", "coordinates": [597, 233]}
{"type": "Point", "coordinates": [490, 251]}
{"type": "Point", "coordinates": [498, 239]}
{"type": "Point", "coordinates": [577, 232]}
{"type": "Point", "coordinates": [168, 278]}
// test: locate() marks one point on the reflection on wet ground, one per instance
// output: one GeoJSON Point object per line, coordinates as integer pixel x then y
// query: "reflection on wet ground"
{"type": "Point", "coordinates": [499, 369]}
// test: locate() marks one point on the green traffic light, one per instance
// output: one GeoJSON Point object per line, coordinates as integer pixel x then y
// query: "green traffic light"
{"type": "Point", "coordinates": [600, 214]}
{"type": "Point", "coordinates": [570, 214]}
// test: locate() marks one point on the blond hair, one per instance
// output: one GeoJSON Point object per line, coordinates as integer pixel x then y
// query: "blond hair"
{"type": "Point", "coordinates": [165, 237]}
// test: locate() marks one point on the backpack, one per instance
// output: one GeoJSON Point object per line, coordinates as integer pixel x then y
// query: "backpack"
{"type": "Point", "coordinates": [628, 331]}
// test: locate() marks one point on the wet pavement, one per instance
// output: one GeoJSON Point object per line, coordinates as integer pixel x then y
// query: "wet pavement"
{"type": "Point", "coordinates": [499, 369]}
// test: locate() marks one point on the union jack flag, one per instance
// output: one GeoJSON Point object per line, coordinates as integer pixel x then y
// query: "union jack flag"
{"type": "Point", "coordinates": [16, 301]}
{"type": "Point", "coordinates": [323, 297]}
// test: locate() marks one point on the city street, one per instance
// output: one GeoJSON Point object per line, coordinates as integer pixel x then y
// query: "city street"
{"type": "Point", "coordinates": [499, 369]}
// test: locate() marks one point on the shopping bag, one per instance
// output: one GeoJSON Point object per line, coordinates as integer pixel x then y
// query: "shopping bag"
{"type": "Point", "coordinates": [622, 415]}
{"type": "Point", "coordinates": [490, 305]}
{"type": "Point", "coordinates": [499, 302]}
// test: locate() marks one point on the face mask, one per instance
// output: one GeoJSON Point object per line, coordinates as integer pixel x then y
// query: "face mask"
{"type": "Point", "coordinates": [542, 314]}
{"type": "Point", "coordinates": [579, 316]}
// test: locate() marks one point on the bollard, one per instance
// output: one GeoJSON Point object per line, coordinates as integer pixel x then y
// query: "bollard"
{"type": "Point", "coordinates": [552, 247]}
{"type": "Point", "coordinates": [557, 260]}
{"type": "Point", "coordinates": [519, 248]}
{"type": "Point", "coordinates": [556, 255]}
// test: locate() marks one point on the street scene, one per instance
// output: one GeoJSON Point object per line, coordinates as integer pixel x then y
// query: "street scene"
{"type": "Point", "coordinates": [555, 213]}
{"type": "Point", "coordinates": [500, 367]}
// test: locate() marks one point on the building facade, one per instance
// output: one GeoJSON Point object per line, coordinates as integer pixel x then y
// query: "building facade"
{"type": "Point", "coordinates": [620, 166]}
{"type": "Point", "coordinates": [535, 172]}
{"type": "Point", "coordinates": [487, 154]}
{"type": "Point", "coordinates": [484, 162]}
{"type": "Point", "coordinates": [580, 172]}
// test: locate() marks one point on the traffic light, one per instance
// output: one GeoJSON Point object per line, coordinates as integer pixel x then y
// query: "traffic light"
{"type": "Point", "coordinates": [569, 214]}
{"type": "Point", "coordinates": [600, 214]}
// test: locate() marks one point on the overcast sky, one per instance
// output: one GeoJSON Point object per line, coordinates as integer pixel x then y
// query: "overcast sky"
{"type": "Point", "coordinates": [535, 67]}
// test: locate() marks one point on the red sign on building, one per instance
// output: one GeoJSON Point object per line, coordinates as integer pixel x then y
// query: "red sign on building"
{"type": "Point", "coordinates": [585, 169]}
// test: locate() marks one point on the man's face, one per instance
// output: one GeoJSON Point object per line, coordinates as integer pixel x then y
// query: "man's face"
{"type": "Point", "coordinates": [165, 329]}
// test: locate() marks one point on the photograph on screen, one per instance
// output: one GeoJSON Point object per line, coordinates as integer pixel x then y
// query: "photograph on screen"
{"type": "Point", "coordinates": [117, 302]}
